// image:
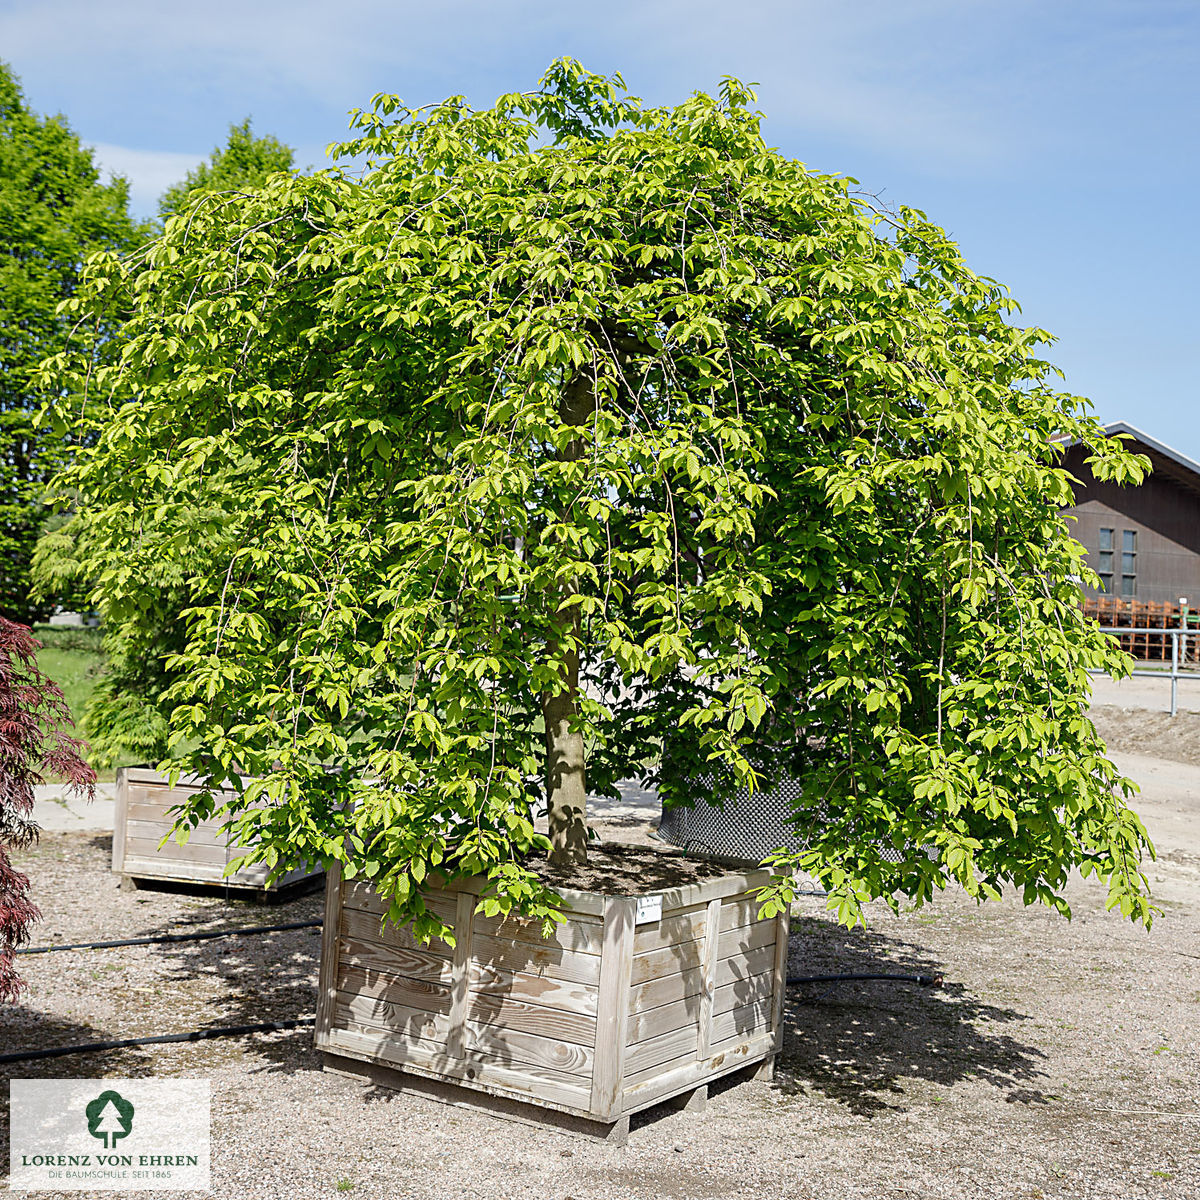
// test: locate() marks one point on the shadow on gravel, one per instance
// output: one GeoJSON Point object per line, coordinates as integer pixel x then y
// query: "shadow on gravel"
{"type": "Point", "coordinates": [102, 843]}
{"type": "Point", "coordinates": [249, 980]}
{"type": "Point", "coordinates": [262, 977]}
{"type": "Point", "coordinates": [25, 1028]}
{"type": "Point", "coordinates": [855, 1042]}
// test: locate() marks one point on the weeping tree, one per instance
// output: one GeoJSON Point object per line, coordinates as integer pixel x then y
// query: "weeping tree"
{"type": "Point", "coordinates": [574, 439]}
{"type": "Point", "coordinates": [126, 715]}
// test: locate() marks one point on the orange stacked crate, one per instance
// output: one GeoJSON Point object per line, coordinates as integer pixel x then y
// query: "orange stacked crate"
{"type": "Point", "coordinates": [1113, 612]}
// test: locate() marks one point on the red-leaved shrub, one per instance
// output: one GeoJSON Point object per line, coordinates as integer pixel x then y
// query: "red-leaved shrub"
{"type": "Point", "coordinates": [34, 743]}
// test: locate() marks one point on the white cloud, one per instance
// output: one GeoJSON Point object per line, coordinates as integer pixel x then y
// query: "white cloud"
{"type": "Point", "coordinates": [326, 50]}
{"type": "Point", "coordinates": [150, 172]}
{"type": "Point", "coordinates": [971, 86]}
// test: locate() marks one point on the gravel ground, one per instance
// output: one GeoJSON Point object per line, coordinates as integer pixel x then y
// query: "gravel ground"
{"type": "Point", "coordinates": [1059, 1060]}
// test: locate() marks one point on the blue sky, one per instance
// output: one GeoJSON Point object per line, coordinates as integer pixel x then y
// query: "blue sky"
{"type": "Point", "coordinates": [1057, 140]}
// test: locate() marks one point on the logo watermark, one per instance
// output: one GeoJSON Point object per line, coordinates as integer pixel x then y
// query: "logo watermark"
{"type": "Point", "coordinates": [109, 1134]}
{"type": "Point", "coordinates": [109, 1116]}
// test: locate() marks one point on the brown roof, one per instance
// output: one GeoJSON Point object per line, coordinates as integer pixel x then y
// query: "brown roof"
{"type": "Point", "coordinates": [1165, 460]}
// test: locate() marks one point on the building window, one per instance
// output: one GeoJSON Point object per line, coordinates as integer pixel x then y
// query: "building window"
{"type": "Point", "coordinates": [1104, 560]}
{"type": "Point", "coordinates": [1128, 562]}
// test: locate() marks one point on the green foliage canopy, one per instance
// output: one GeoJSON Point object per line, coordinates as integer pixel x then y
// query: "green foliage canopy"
{"type": "Point", "coordinates": [245, 161]}
{"type": "Point", "coordinates": [808, 522]}
{"type": "Point", "coordinates": [54, 212]}
{"type": "Point", "coordinates": [126, 715]}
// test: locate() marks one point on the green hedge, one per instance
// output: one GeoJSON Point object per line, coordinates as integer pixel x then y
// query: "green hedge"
{"type": "Point", "coordinates": [69, 637]}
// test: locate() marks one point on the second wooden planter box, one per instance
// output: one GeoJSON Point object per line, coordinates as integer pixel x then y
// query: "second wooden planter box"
{"type": "Point", "coordinates": [635, 1000]}
{"type": "Point", "coordinates": [143, 819]}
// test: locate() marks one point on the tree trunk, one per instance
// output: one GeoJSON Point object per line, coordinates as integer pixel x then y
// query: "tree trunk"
{"type": "Point", "coordinates": [566, 780]}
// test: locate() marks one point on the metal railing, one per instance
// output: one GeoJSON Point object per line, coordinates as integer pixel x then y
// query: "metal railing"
{"type": "Point", "coordinates": [1179, 652]}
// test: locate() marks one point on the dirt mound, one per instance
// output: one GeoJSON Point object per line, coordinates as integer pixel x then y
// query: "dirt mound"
{"type": "Point", "coordinates": [1155, 734]}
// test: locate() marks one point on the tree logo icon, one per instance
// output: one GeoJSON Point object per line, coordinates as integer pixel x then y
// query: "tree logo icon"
{"type": "Point", "coordinates": [109, 1117]}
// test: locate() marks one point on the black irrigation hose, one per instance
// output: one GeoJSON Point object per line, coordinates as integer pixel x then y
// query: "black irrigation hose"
{"type": "Point", "coordinates": [195, 1035]}
{"type": "Point", "coordinates": [171, 937]}
{"type": "Point", "coordinates": [200, 1035]}
{"type": "Point", "coordinates": [921, 980]}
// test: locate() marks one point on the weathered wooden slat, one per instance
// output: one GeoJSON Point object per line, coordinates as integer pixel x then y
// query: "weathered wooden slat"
{"type": "Point", "coordinates": [761, 1044]}
{"type": "Point", "coordinates": [746, 938]}
{"type": "Point", "coordinates": [672, 1047]}
{"type": "Point", "coordinates": [511, 1013]}
{"type": "Point", "coordinates": [581, 936]}
{"type": "Point", "coordinates": [186, 872]}
{"type": "Point", "coordinates": [666, 1018]}
{"type": "Point", "coordinates": [731, 970]}
{"type": "Point", "coordinates": [687, 926]}
{"type": "Point", "coordinates": [723, 888]}
{"type": "Point", "coordinates": [154, 822]}
{"type": "Point", "coordinates": [534, 989]}
{"type": "Point", "coordinates": [515, 1045]}
{"type": "Point", "coordinates": [163, 868]}
{"type": "Point", "coordinates": [155, 810]}
{"type": "Point", "coordinates": [739, 910]}
{"type": "Point", "coordinates": [502, 955]}
{"type": "Point", "coordinates": [779, 975]}
{"type": "Point", "coordinates": [654, 1085]}
{"type": "Point", "coordinates": [120, 808]}
{"type": "Point", "coordinates": [612, 1018]}
{"type": "Point", "coordinates": [203, 835]}
{"type": "Point", "coordinates": [712, 946]}
{"type": "Point", "coordinates": [365, 926]}
{"type": "Point", "coordinates": [666, 990]}
{"type": "Point", "coordinates": [551, 1089]}
{"type": "Point", "coordinates": [331, 968]}
{"type": "Point", "coordinates": [395, 989]}
{"type": "Point", "coordinates": [744, 991]}
{"type": "Point", "coordinates": [581, 904]}
{"type": "Point", "coordinates": [150, 778]}
{"type": "Point", "coordinates": [392, 1018]}
{"type": "Point", "coordinates": [159, 811]}
{"type": "Point", "coordinates": [671, 960]}
{"type": "Point", "coordinates": [166, 867]}
{"type": "Point", "coordinates": [148, 804]}
{"type": "Point", "coordinates": [362, 897]}
{"type": "Point", "coordinates": [391, 1043]}
{"type": "Point", "coordinates": [503, 1047]}
{"type": "Point", "coordinates": [377, 958]}
{"type": "Point", "coordinates": [460, 974]}
{"type": "Point", "coordinates": [199, 852]}
{"type": "Point", "coordinates": [746, 1021]}
{"type": "Point", "coordinates": [153, 860]}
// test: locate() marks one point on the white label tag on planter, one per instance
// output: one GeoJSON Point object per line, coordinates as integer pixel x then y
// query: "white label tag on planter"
{"type": "Point", "coordinates": [649, 908]}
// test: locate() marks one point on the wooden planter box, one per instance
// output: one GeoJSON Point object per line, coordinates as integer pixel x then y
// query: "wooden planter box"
{"type": "Point", "coordinates": [635, 1000]}
{"type": "Point", "coordinates": [142, 821]}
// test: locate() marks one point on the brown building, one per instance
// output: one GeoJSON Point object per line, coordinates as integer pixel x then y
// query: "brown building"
{"type": "Point", "coordinates": [1144, 541]}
